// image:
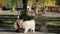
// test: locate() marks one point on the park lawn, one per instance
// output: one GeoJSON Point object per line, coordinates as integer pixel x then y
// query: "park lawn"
{"type": "Point", "coordinates": [3, 12]}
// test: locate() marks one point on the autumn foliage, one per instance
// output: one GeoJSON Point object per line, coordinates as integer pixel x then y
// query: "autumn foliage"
{"type": "Point", "coordinates": [1, 3]}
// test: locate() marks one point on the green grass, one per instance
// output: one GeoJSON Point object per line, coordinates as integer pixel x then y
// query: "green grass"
{"type": "Point", "coordinates": [8, 12]}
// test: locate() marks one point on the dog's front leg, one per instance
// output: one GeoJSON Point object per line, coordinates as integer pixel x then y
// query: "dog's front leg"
{"type": "Point", "coordinates": [26, 30]}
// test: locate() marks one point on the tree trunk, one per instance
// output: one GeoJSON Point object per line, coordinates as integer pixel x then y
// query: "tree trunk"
{"type": "Point", "coordinates": [24, 7]}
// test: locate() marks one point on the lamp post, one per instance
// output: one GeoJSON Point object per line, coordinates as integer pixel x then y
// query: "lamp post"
{"type": "Point", "coordinates": [18, 12]}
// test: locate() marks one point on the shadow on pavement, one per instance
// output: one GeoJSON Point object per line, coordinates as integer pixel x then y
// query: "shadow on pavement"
{"type": "Point", "coordinates": [6, 30]}
{"type": "Point", "coordinates": [20, 31]}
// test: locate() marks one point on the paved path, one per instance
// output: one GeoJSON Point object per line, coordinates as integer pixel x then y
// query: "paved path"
{"type": "Point", "coordinates": [25, 33]}
{"type": "Point", "coordinates": [12, 32]}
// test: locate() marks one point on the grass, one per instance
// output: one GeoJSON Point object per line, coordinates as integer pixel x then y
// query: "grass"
{"type": "Point", "coordinates": [8, 12]}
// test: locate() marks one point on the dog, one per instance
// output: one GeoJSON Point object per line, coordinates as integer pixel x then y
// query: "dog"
{"type": "Point", "coordinates": [29, 24]}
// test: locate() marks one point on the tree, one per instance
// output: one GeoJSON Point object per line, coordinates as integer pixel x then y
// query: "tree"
{"type": "Point", "coordinates": [1, 3]}
{"type": "Point", "coordinates": [57, 2]}
{"type": "Point", "coordinates": [31, 2]}
{"type": "Point", "coordinates": [11, 3]}
{"type": "Point", "coordinates": [43, 19]}
{"type": "Point", "coordinates": [47, 3]}
{"type": "Point", "coordinates": [24, 7]}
